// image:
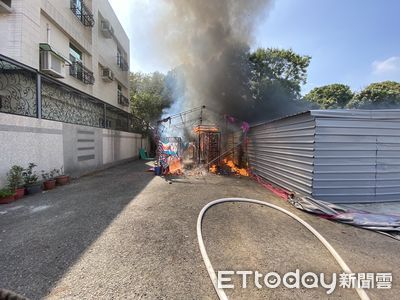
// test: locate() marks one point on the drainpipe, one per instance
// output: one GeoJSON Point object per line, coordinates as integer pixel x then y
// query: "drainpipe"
{"type": "Point", "coordinates": [48, 33]}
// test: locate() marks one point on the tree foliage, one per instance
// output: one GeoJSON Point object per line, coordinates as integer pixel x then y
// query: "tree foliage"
{"type": "Point", "coordinates": [150, 95]}
{"type": "Point", "coordinates": [276, 79]}
{"type": "Point", "coordinates": [330, 96]}
{"type": "Point", "coordinates": [384, 94]}
{"type": "Point", "coordinates": [279, 69]}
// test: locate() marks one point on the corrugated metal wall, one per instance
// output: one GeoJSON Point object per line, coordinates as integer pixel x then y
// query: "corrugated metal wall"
{"type": "Point", "coordinates": [357, 156]}
{"type": "Point", "coordinates": [341, 156]}
{"type": "Point", "coordinates": [282, 152]}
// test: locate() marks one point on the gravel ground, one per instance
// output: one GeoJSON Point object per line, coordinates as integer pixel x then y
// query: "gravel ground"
{"type": "Point", "coordinates": [125, 234]}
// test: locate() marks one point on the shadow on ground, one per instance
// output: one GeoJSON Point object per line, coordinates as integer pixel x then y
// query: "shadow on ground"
{"type": "Point", "coordinates": [42, 236]}
{"type": "Point", "coordinates": [89, 240]}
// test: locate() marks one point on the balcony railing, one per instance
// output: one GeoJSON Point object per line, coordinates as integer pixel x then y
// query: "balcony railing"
{"type": "Point", "coordinates": [80, 72]}
{"type": "Point", "coordinates": [122, 100]}
{"type": "Point", "coordinates": [121, 62]}
{"type": "Point", "coordinates": [26, 91]}
{"type": "Point", "coordinates": [82, 12]}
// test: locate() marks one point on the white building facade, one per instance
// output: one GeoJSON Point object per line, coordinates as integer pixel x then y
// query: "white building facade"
{"type": "Point", "coordinates": [78, 42]}
{"type": "Point", "coordinates": [64, 87]}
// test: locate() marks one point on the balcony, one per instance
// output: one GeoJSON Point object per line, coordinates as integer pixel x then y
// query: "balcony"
{"type": "Point", "coordinates": [122, 100]}
{"type": "Point", "coordinates": [82, 12]}
{"type": "Point", "coordinates": [80, 72]}
{"type": "Point", "coordinates": [121, 62]}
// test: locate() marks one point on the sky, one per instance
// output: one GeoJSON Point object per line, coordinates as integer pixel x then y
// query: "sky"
{"type": "Point", "coordinates": [355, 42]}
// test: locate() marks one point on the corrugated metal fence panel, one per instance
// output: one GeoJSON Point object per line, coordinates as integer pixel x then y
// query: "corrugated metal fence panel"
{"type": "Point", "coordinates": [388, 167]}
{"type": "Point", "coordinates": [282, 152]}
{"type": "Point", "coordinates": [357, 157]}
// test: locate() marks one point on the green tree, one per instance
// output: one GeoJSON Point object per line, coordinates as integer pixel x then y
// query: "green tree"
{"type": "Point", "coordinates": [330, 96]}
{"type": "Point", "coordinates": [280, 69]}
{"type": "Point", "coordinates": [384, 94]}
{"type": "Point", "coordinates": [150, 95]}
{"type": "Point", "coordinates": [276, 79]}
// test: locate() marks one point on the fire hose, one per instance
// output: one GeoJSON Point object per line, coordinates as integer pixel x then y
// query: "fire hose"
{"type": "Point", "coordinates": [220, 292]}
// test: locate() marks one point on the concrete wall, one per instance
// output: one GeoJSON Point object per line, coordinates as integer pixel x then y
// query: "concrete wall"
{"type": "Point", "coordinates": [50, 144]}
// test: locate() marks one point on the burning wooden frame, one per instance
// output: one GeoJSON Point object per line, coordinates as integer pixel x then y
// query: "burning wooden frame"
{"type": "Point", "coordinates": [208, 143]}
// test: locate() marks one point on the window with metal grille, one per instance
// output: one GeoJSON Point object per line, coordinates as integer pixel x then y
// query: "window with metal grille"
{"type": "Point", "coordinates": [77, 69]}
{"type": "Point", "coordinates": [82, 12]}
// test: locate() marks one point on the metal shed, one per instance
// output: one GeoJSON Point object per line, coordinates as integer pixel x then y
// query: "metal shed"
{"type": "Point", "coordinates": [340, 156]}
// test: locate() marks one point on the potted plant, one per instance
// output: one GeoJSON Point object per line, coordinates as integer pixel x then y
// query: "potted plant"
{"type": "Point", "coordinates": [15, 180]}
{"type": "Point", "coordinates": [31, 180]}
{"type": "Point", "coordinates": [6, 196]}
{"type": "Point", "coordinates": [49, 182]}
{"type": "Point", "coordinates": [61, 178]}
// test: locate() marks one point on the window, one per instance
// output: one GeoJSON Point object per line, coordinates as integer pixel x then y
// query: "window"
{"type": "Point", "coordinates": [82, 12]}
{"type": "Point", "coordinates": [122, 100]}
{"type": "Point", "coordinates": [119, 57]}
{"type": "Point", "coordinates": [121, 62]}
{"type": "Point", "coordinates": [74, 53]}
{"type": "Point", "coordinates": [78, 4]}
{"type": "Point", "coordinates": [77, 69]}
{"type": "Point", "coordinates": [75, 56]}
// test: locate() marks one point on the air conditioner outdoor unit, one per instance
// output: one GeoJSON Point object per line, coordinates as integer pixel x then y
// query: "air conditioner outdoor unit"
{"type": "Point", "coordinates": [107, 74]}
{"type": "Point", "coordinates": [52, 64]}
{"type": "Point", "coordinates": [107, 29]}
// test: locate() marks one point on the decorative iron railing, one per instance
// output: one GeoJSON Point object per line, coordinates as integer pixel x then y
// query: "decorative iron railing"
{"type": "Point", "coordinates": [28, 92]}
{"type": "Point", "coordinates": [82, 12]}
{"type": "Point", "coordinates": [80, 72]}
{"type": "Point", "coordinates": [18, 91]}
{"type": "Point", "coordinates": [64, 104]}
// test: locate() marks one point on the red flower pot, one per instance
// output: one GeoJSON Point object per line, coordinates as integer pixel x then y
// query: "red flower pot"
{"type": "Point", "coordinates": [62, 180]}
{"type": "Point", "coordinates": [19, 193]}
{"type": "Point", "coordinates": [8, 199]}
{"type": "Point", "coordinates": [49, 184]}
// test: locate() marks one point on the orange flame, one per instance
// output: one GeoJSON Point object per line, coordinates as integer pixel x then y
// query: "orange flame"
{"type": "Point", "coordinates": [213, 169]}
{"type": "Point", "coordinates": [235, 169]}
{"type": "Point", "coordinates": [205, 128]}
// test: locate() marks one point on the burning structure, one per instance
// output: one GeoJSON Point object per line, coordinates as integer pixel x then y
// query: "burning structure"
{"type": "Point", "coordinates": [337, 156]}
{"type": "Point", "coordinates": [208, 45]}
{"type": "Point", "coordinates": [204, 145]}
{"type": "Point", "coordinates": [209, 143]}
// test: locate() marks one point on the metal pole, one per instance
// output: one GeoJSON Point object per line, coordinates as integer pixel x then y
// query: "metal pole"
{"type": "Point", "coordinates": [201, 122]}
{"type": "Point", "coordinates": [38, 96]}
{"type": "Point", "coordinates": [105, 115]}
{"type": "Point", "coordinates": [233, 143]}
